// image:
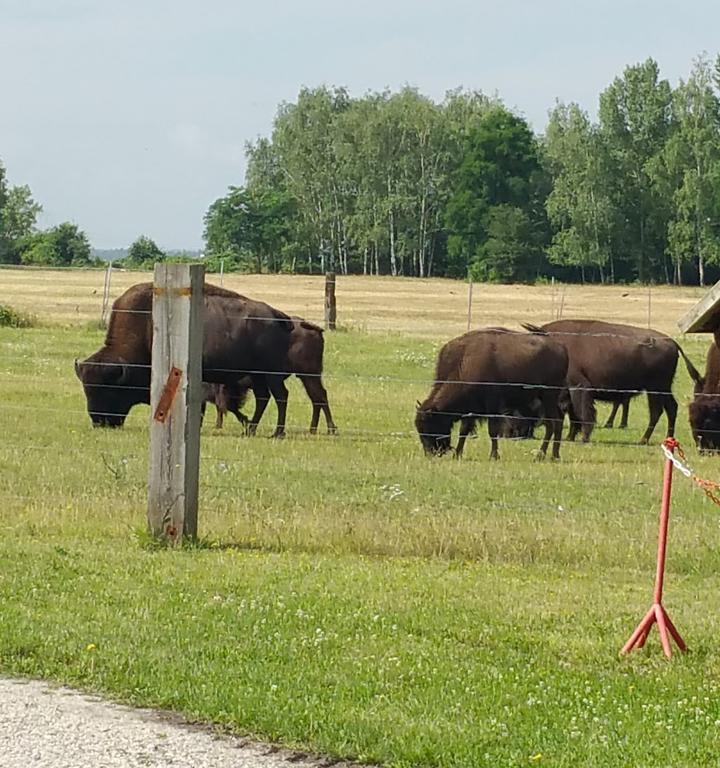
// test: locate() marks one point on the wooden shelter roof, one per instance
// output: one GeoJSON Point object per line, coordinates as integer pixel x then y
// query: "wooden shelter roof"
{"type": "Point", "coordinates": [704, 317]}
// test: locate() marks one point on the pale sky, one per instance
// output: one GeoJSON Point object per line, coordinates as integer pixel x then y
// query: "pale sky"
{"type": "Point", "coordinates": [130, 117]}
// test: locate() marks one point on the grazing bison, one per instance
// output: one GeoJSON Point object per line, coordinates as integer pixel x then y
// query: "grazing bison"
{"type": "Point", "coordinates": [305, 360]}
{"type": "Point", "coordinates": [486, 374]}
{"type": "Point", "coordinates": [226, 398]}
{"type": "Point", "coordinates": [613, 363]}
{"type": "Point", "coordinates": [705, 408]}
{"type": "Point", "coordinates": [240, 335]}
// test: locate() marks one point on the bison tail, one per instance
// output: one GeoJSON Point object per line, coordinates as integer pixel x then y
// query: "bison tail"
{"type": "Point", "coordinates": [691, 369]}
{"type": "Point", "coordinates": [534, 329]}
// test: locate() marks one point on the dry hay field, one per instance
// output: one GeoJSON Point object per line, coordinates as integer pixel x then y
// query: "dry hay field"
{"type": "Point", "coordinates": [433, 307]}
{"type": "Point", "coordinates": [348, 595]}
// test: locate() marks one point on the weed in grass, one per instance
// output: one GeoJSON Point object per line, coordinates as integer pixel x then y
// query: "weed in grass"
{"type": "Point", "coordinates": [11, 318]}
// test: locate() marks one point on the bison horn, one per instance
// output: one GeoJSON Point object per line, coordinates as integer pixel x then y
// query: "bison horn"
{"type": "Point", "coordinates": [77, 367]}
{"type": "Point", "coordinates": [418, 404]}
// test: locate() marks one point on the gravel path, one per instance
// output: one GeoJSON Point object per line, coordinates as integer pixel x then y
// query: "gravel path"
{"type": "Point", "coordinates": [47, 727]}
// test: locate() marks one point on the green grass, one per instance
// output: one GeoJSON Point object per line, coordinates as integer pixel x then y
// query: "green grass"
{"type": "Point", "coordinates": [351, 596]}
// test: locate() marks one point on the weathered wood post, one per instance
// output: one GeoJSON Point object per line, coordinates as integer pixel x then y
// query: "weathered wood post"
{"type": "Point", "coordinates": [330, 305]}
{"type": "Point", "coordinates": [470, 291]}
{"type": "Point", "coordinates": [175, 389]}
{"type": "Point", "coordinates": [106, 295]}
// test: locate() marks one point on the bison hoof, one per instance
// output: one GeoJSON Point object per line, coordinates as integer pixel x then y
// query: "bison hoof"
{"type": "Point", "coordinates": [278, 434]}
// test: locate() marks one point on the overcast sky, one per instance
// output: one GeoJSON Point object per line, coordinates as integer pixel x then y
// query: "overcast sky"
{"type": "Point", "coordinates": [131, 117]}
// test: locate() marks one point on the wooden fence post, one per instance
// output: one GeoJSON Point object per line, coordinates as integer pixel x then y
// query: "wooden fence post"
{"type": "Point", "coordinates": [175, 390]}
{"type": "Point", "coordinates": [106, 295]}
{"type": "Point", "coordinates": [330, 305]}
{"type": "Point", "coordinates": [470, 291]}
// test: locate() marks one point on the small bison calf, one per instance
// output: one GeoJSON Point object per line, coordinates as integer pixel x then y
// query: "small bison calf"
{"type": "Point", "coordinates": [225, 398]}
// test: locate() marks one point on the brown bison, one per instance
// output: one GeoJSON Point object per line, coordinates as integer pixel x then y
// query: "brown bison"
{"type": "Point", "coordinates": [613, 363]}
{"type": "Point", "coordinates": [240, 336]}
{"type": "Point", "coordinates": [705, 408]}
{"type": "Point", "coordinates": [486, 374]}
{"type": "Point", "coordinates": [305, 358]}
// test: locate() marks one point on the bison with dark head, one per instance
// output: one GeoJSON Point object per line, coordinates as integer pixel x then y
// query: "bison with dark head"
{"type": "Point", "coordinates": [613, 362]}
{"type": "Point", "coordinates": [486, 374]}
{"type": "Point", "coordinates": [240, 337]}
{"type": "Point", "coordinates": [705, 407]}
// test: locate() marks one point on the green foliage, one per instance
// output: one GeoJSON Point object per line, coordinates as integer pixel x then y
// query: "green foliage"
{"type": "Point", "coordinates": [580, 206]}
{"type": "Point", "coordinates": [249, 229]}
{"type": "Point", "coordinates": [491, 216]}
{"type": "Point", "coordinates": [11, 318]}
{"type": "Point", "coordinates": [143, 254]}
{"type": "Point", "coordinates": [635, 123]}
{"type": "Point", "coordinates": [395, 183]}
{"type": "Point", "coordinates": [18, 216]}
{"type": "Point", "coordinates": [62, 246]}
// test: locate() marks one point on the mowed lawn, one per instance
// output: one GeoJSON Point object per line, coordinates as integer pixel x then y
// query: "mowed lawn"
{"type": "Point", "coordinates": [348, 595]}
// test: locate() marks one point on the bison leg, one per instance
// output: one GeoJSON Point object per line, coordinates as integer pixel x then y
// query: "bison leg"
{"type": "Point", "coordinates": [494, 427]}
{"type": "Point", "coordinates": [220, 416]}
{"type": "Point", "coordinates": [625, 413]}
{"type": "Point", "coordinates": [671, 408]}
{"type": "Point", "coordinates": [611, 419]}
{"type": "Point", "coordinates": [279, 391]}
{"type": "Point", "coordinates": [262, 398]}
{"type": "Point", "coordinates": [235, 395]}
{"type": "Point", "coordinates": [239, 415]}
{"type": "Point", "coordinates": [583, 407]}
{"type": "Point", "coordinates": [203, 407]}
{"type": "Point", "coordinates": [466, 427]}
{"type": "Point", "coordinates": [656, 404]}
{"type": "Point", "coordinates": [553, 424]}
{"type": "Point", "coordinates": [319, 399]}
{"type": "Point", "coordinates": [575, 412]}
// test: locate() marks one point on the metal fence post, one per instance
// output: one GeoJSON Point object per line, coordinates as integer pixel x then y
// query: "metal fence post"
{"type": "Point", "coordinates": [175, 390]}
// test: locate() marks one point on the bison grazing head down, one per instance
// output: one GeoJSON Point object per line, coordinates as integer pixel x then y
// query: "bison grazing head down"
{"type": "Point", "coordinates": [434, 429]}
{"type": "Point", "coordinates": [705, 422]}
{"type": "Point", "coordinates": [111, 389]}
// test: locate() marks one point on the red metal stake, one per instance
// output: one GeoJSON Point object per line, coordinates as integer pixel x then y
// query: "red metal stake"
{"type": "Point", "coordinates": [657, 612]}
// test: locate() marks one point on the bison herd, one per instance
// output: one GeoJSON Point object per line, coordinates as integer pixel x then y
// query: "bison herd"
{"type": "Point", "coordinates": [515, 380]}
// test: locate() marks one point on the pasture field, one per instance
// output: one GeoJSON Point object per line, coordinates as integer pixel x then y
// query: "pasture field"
{"type": "Point", "coordinates": [348, 595]}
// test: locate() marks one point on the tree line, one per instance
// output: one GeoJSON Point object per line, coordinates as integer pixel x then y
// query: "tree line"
{"type": "Point", "coordinates": [396, 184]}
